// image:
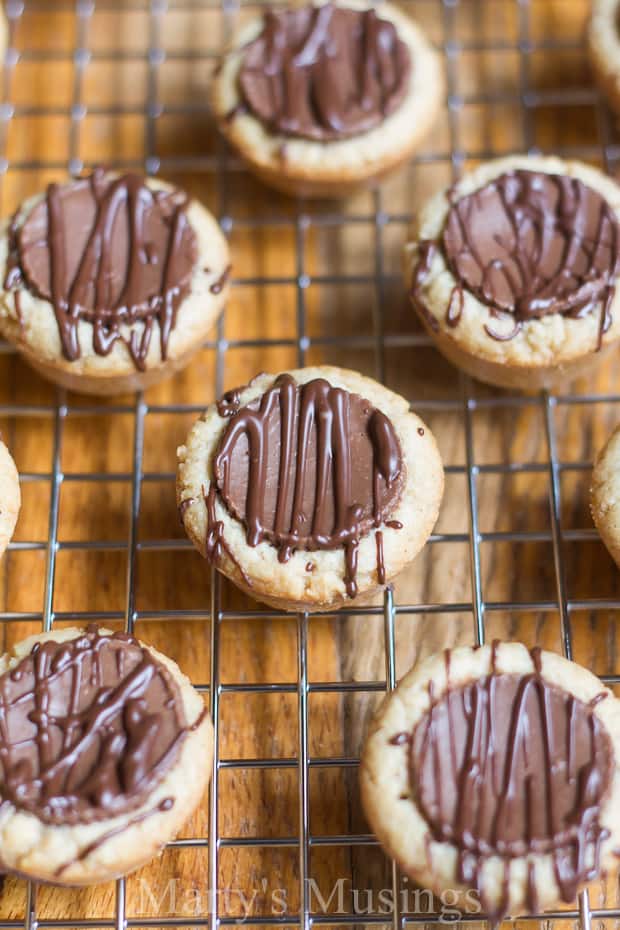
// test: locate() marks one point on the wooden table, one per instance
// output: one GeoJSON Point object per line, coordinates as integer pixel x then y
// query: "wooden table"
{"type": "Point", "coordinates": [314, 283]}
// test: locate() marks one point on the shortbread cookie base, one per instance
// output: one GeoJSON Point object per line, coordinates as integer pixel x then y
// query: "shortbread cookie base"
{"type": "Point", "coordinates": [546, 352]}
{"type": "Point", "coordinates": [10, 497]}
{"type": "Point", "coordinates": [37, 850]}
{"type": "Point", "coordinates": [110, 385]}
{"type": "Point", "coordinates": [332, 169]}
{"type": "Point", "coordinates": [386, 791]}
{"type": "Point", "coordinates": [605, 495]}
{"type": "Point", "coordinates": [289, 586]}
{"type": "Point", "coordinates": [36, 334]}
{"type": "Point", "coordinates": [524, 379]}
{"type": "Point", "coordinates": [604, 48]}
{"type": "Point", "coordinates": [4, 31]}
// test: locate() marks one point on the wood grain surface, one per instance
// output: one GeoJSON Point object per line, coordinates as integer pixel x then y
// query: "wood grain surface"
{"type": "Point", "coordinates": [349, 310]}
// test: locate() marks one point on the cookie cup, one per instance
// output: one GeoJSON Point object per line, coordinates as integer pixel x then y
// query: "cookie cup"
{"type": "Point", "coordinates": [546, 352]}
{"type": "Point", "coordinates": [32, 328]}
{"type": "Point", "coordinates": [605, 495]}
{"type": "Point", "coordinates": [604, 48]}
{"type": "Point", "coordinates": [389, 800]}
{"type": "Point", "coordinates": [331, 169]}
{"type": "Point", "coordinates": [289, 585]}
{"type": "Point", "coordinates": [10, 497]}
{"type": "Point", "coordinates": [87, 854]}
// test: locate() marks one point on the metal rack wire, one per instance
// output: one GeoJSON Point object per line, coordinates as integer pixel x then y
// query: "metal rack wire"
{"type": "Point", "coordinates": [61, 409]}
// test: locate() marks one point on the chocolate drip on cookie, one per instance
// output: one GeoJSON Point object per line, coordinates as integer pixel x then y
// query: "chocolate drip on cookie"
{"type": "Point", "coordinates": [510, 765]}
{"type": "Point", "coordinates": [88, 728]}
{"type": "Point", "coordinates": [228, 404]}
{"type": "Point", "coordinates": [307, 466]}
{"type": "Point", "coordinates": [529, 244]}
{"type": "Point", "coordinates": [163, 807]}
{"type": "Point", "coordinates": [111, 252]}
{"type": "Point", "coordinates": [324, 72]}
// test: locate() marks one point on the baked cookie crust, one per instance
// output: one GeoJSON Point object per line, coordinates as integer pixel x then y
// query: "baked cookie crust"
{"type": "Point", "coordinates": [4, 31]}
{"type": "Point", "coordinates": [332, 169]}
{"type": "Point", "coordinates": [605, 495]}
{"type": "Point", "coordinates": [604, 48]}
{"type": "Point", "coordinates": [32, 328]}
{"type": "Point", "coordinates": [290, 585]}
{"type": "Point", "coordinates": [10, 497]}
{"type": "Point", "coordinates": [545, 352]}
{"type": "Point", "coordinates": [88, 853]}
{"type": "Point", "coordinates": [524, 882]}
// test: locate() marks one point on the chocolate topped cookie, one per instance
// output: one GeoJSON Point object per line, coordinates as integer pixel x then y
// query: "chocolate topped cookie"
{"type": "Point", "coordinates": [324, 72]}
{"type": "Point", "coordinates": [485, 771]}
{"type": "Point", "coordinates": [321, 97]}
{"type": "Point", "coordinates": [604, 48]}
{"type": "Point", "coordinates": [107, 278]}
{"type": "Point", "coordinates": [529, 244]}
{"type": "Point", "coordinates": [10, 497]}
{"type": "Point", "coordinates": [104, 751]}
{"type": "Point", "coordinates": [605, 494]}
{"type": "Point", "coordinates": [310, 488]}
{"type": "Point", "coordinates": [514, 270]}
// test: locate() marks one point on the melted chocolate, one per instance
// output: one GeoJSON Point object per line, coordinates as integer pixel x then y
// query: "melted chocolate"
{"type": "Point", "coordinates": [109, 251]}
{"type": "Point", "coordinates": [426, 253]}
{"type": "Point", "coordinates": [228, 404]}
{"type": "Point", "coordinates": [218, 286]}
{"type": "Point", "coordinates": [184, 506]}
{"type": "Point", "coordinates": [163, 807]}
{"type": "Point", "coordinates": [510, 765]}
{"type": "Point", "coordinates": [380, 557]}
{"type": "Point", "coordinates": [399, 739]}
{"type": "Point", "coordinates": [529, 244]}
{"type": "Point", "coordinates": [216, 544]}
{"type": "Point", "coordinates": [324, 72]}
{"type": "Point", "coordinates": [87, 728]}
{"type": "Point", "coordinates": [307, 467]}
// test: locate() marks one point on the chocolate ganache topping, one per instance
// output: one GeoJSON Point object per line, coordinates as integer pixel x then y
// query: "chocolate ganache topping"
{"type": "Point", "coordinates": [324, 72]}
{"type": "Point", "coordinates": [307, 466]}
{"type": "Point", "coordinates": [529, 244]}
{"type": "Point", "coordinates": [110, 251]}
{"type": "Point", "coordinates": [509, 765]}
{"type": "Point", "coordinates": [88, 728]}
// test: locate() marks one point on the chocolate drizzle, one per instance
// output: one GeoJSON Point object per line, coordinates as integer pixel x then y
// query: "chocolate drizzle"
{"type": "Point", "coordinates": [380, 557]}
{"type": "Point", "coordinates": [324, 72]}
{"type": "Point", "coordinates": [184, 506]}
{"type": "Point", "coordinates": [307, 467]}
{"type": "Point", "coordinates": [163, 807]}
{"type": "Point", "coordinates": [216, 544]}
{"type": "Point", "coordinates": [228, 404]}
{"type": "Point", "coordinates": [455, 307]}
{"type": "Point", "coordinates": [528, 244]}
{"type": "Point", "coordinates": [88, 728]}
{"type": "Point", "coordinates": [427, 251]}
{"type": "Point", "coordinates": [511, 765]}
{"type": "Point", "coordinates": [218, 286]}
{"type": "Point", "coordinates": [400, 739]}
{"type": "Point", "coordinates": [111, 252]}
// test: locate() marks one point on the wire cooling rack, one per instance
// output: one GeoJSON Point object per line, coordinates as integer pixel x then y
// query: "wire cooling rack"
{"type": "Point", "coordinates": [459, 30]}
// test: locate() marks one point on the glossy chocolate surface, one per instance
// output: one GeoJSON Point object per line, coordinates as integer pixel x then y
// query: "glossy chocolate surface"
{"type": "Point", "coordinates": [307, 467]}
{"type": "Point", "coordinates": [88, 728]}
{"type": "Point", "coordinates": [109, 251]}
{"type": "Point", "coordinates": [510, 765]}
{"type": "Point", "coordinates": [324, 72]}
{"type": "Point", "coordinates": [527, 245]}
